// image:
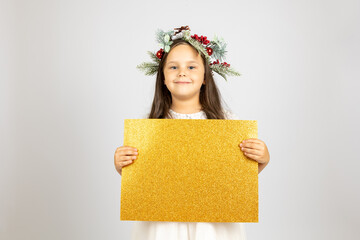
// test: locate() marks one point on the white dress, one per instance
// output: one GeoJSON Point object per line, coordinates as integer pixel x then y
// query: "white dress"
{"type": "Point", "coordinates": [160, 230]}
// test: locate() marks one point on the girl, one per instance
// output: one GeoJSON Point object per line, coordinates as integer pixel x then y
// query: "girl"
{"type": "Point", "coordinates": [185, 89]}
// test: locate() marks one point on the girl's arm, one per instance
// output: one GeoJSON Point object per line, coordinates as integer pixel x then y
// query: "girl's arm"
{"type": "Point", "coordinates": [262, 166]}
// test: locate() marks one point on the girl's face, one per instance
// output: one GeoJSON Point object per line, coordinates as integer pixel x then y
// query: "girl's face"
{"type": "Point", "coordinates": [184, 72]}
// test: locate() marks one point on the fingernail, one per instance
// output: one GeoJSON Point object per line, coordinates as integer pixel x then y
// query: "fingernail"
{"type": "Point", "coordinates": [240, 144]}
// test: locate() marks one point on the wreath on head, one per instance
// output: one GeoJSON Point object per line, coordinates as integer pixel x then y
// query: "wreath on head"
{"type": "Point", "coordinates": [214, 51]}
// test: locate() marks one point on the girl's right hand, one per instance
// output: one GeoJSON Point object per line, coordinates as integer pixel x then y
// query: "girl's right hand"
{"type": "Point", "coordinates": [124, 156]}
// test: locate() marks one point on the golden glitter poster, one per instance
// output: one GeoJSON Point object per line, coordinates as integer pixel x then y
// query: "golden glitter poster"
{"type": "Point", "coordinates": [189, 170]}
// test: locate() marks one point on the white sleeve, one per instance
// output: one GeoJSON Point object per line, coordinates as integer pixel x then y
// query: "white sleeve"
{"type": "Point", "coordinates": [230, 115]}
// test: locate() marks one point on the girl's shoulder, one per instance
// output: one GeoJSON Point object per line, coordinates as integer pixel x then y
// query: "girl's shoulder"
{"type": "Point", "coordinates": [230, 115]}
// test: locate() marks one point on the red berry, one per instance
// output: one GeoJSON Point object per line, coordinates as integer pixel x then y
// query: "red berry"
{"type": "Point", "coordinates": [209, 51]}
{"type": "Point", "coordinates": [160, 53]}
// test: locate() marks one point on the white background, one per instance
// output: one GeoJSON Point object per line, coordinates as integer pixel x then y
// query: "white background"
{"type": "Point", "coordinates": [69, 79]}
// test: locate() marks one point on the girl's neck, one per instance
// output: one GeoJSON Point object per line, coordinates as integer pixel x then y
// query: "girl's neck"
{"type": "Point", "coordinates": [185, 108]}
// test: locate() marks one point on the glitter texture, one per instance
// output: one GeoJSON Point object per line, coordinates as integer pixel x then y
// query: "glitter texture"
{"type": "Point", "coordinates": [189, 170]}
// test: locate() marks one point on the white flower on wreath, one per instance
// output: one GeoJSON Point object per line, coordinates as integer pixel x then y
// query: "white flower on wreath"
{"type": "Point", "coordinates": [166, 43]}
{"type": "Point", "coordinates": [177, 36]}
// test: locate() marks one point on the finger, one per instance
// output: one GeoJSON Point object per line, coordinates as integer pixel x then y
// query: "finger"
{"type": "Point", "coordinates": [120, 162]}
{"type": "Point", "coordinates": [252, 156]}
{"type": "Point", "coordinates": [124, 164]}
{"type": "Point", "coordinates": [131, 147]}
{"type": "Point", "coordinates": [128, 152]}
{"type": "Point", "coordinates": [251, 145]}
{"type": "Point", "coordinates": [120, 157]}
{"type": "Point", "coordinates": [252, 151]}
{"type": "Point", "coordinates": [124, 148]}
{"type": "Point", "coordinates": [126, 158]}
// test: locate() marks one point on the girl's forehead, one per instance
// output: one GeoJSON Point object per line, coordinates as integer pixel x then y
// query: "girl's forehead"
{"type": "Point", "coordinates": [184, 49]}
{"type": "Point", "coordinates": [184, 52]}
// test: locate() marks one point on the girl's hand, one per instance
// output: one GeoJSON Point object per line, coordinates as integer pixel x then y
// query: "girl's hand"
{"type": "Point", "coordinates": [124, 156]}
{"type": "Point", "coordinates": [255, 149]}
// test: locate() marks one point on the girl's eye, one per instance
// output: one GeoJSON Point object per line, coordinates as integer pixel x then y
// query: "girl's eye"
{"type": "Point", "coordinates": [173, 67]}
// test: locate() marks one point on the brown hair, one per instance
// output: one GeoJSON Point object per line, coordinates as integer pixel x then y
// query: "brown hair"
{"type": "Point", "coordinates": [210, 98]}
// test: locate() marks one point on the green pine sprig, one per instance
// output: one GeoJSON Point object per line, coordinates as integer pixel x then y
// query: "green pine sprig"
{"type": "Point", "coordinates": [224, 71]}
{"type": "Point", "coordinates": [149, 68]}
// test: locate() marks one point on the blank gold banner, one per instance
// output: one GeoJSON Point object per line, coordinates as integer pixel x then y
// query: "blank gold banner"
{"type": "Point", "coordinates": [189, 170]}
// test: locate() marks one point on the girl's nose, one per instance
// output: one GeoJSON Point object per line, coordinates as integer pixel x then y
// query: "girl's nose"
{"type": "Point", "coordinates": [182, 72]}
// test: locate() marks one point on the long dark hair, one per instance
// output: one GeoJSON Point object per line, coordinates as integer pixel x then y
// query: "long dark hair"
{"type": "Point", "coordinates": [210, 98]}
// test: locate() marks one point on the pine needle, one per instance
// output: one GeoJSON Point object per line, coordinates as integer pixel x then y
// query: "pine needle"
{"type": "Point", "coordinates": [149, 68]}
{"type": "Point", "coordinates": [154, 57]}
{"type": "Point", "coordinates": [224, 71]}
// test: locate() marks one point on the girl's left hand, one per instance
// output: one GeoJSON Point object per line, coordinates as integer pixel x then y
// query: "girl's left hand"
{"type": "Point", "coordinates": [256, 150]}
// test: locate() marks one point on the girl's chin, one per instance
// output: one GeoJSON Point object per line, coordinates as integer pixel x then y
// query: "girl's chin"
{"type": "Point", "coordinates": [183, 94]}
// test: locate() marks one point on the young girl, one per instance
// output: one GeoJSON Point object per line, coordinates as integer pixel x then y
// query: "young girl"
{"type": "Point", "coordinates": [185, 89]}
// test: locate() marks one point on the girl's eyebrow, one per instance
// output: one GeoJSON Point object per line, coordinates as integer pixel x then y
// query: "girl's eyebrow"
{"type": "Point", "coordinates": [187, 62]}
